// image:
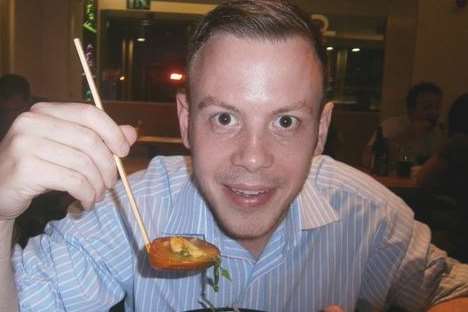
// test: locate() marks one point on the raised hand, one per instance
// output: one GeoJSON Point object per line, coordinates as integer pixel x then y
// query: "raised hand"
{"type": "Point", "coordinates": [60, 146]}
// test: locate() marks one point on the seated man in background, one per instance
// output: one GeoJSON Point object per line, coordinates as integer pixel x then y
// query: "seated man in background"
{"type": "Point", "coordinates": [417, 134]}
{"type": "Point", "coordinates": [296, 232]}
{"type": "Point", "coordinates": [446, 172]}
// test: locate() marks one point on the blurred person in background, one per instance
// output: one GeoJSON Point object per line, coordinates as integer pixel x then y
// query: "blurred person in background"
{"type": "Point", "coordinates": [415, 135]}
{"type": "Point", "coordinates": [15, 98]}
{"type": "Point", "coordinates": [446, 173]}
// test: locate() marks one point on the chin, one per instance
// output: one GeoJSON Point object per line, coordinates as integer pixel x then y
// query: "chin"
{"type": "Point", "coordinates": [249, 227]}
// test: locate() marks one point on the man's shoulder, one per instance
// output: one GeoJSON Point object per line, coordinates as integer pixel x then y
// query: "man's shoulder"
{"type": "Point", "coordinates": [351, 194]}
{"type": "Point", "coordinates": [171, 166]}
{"type": "Point", "coordinates": [332, 176]}
{"type": "Point", "coordinates": [163, 174]}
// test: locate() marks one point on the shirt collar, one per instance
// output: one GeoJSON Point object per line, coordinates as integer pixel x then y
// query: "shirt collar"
{"type": "Point", "coordinates": [315, 209]}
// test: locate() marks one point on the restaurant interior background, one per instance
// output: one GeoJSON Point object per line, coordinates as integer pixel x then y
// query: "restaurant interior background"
{"type": "Point", "coordinates": [377, 50]}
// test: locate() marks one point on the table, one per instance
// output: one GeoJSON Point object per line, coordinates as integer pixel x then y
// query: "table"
{"type": "Point", "coordinates": [152, 139]}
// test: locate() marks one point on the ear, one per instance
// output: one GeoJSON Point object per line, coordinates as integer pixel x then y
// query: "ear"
{"type": "Point", "coordinates": [325, 119]}
{"type": "Point", "coordinates": [183, 113]}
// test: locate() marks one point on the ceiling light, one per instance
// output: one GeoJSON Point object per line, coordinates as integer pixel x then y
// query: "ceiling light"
{"type": "Point", "coordinates": [176, 76]}
{"type": "Point", "coordinates": [142, 30]}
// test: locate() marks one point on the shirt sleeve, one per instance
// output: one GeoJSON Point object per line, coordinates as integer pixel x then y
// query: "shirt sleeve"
{"type": "Point", "coordinates": [81, 263]}
{"type": "Point", "coordinates": [421, 274]}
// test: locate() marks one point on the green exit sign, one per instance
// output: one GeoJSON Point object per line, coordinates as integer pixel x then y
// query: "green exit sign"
{"type": "Point", "coordinates": [138, 4]}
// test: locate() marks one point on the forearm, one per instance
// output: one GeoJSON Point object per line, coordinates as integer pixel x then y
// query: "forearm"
{"type": "Point", "coordinates": [454, 282]}
{"type": "Point", "coordinates": [8, 301]}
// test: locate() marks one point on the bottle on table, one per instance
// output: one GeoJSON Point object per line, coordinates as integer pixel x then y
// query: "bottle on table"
{"type": "Point", "coordinates": [405, 161]}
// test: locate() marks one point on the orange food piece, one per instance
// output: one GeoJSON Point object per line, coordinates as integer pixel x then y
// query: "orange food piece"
{"type": "Point", "coordinates": [181, 253]}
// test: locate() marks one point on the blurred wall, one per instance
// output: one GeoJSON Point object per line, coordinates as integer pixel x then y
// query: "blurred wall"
{"type": "Point", "coordinates": [6, 30]}
{"type": "Point", "coordinates": [43, 49]}
{"type": "Point", "coordinates": [400, 42]}
{"type": "Point", "coordinates": [441, 53]}
{"type": "Point", "coordinates": [347, 7]}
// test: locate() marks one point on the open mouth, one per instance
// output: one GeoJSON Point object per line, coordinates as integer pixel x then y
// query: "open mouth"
{"type": "Point", "coordinates": [249, 196]}
{"type": "Point", "coordinates": [247, 193]}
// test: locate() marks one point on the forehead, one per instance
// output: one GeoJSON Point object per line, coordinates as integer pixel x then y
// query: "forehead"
{"type": "Point", "coordinates": [428, 98]}
{"type": "Point", "coordinates": [252, 70]}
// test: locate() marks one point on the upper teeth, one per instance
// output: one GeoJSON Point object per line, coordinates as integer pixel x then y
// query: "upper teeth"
{"type": "Point", "coordinates": [248, 193]}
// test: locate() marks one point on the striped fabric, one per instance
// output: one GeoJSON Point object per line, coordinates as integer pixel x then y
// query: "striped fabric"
{"type": "Point", "coordinates": [346, 240]}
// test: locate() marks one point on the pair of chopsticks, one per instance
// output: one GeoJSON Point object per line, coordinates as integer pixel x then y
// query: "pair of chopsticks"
{"type": "Point", "coordinates": [118, 161]}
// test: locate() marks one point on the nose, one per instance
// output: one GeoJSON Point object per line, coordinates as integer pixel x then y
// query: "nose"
{"type": "Point", "coordinates": [253, 153]}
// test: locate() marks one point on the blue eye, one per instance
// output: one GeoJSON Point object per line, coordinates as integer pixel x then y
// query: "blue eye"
{"type": "Point", "coordinates": [287, 122]}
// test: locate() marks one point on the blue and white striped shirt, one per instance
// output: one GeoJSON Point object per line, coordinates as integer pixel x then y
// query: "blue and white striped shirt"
{"type": "Point", "coordinates": [346, 240]}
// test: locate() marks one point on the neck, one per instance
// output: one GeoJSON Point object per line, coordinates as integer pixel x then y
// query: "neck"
{"type": "Point", "coordinates": [255, 245]}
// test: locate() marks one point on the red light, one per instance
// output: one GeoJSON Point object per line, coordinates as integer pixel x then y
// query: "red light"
{"type": "Point", "coordinates": [176, 76]}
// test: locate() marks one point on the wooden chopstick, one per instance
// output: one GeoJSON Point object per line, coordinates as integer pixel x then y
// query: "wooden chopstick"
{"type": "Point", "coordinates": [118, 161]}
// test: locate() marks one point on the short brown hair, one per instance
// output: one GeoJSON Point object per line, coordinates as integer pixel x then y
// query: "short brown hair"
{"type": "Point", "coordinates": [262, 19]}
{"type": "Point", "coordinates": [12, 85]}
{"type": "Point", "coordinates": [417, 90]}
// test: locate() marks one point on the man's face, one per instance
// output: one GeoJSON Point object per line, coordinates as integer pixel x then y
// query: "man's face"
{"type": "Point", "coordinates": [252, 128]}
{"type": "Point", "coordinates": [427, 107]}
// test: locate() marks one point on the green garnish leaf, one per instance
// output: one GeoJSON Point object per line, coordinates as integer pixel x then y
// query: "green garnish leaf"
{"type": "Point", "coordinates": [225, 274]}
{"type": "Point", "coordinates": [217, 269]}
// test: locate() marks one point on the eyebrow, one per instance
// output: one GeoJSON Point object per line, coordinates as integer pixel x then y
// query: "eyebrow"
{"type": "Point", "coordinates": [212, 101]}
{"type": "Point", "coordinates": [294, 107]}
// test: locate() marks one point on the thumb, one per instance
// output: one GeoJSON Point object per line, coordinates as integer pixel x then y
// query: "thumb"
{"type": "Point", "coordinates": [130, 133]}
{"type": "Point", "coordinates": [333, 308]}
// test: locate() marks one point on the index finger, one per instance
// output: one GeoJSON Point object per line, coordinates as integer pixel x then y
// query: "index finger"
{"type": "Point", "coordinates": [91, 117]}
